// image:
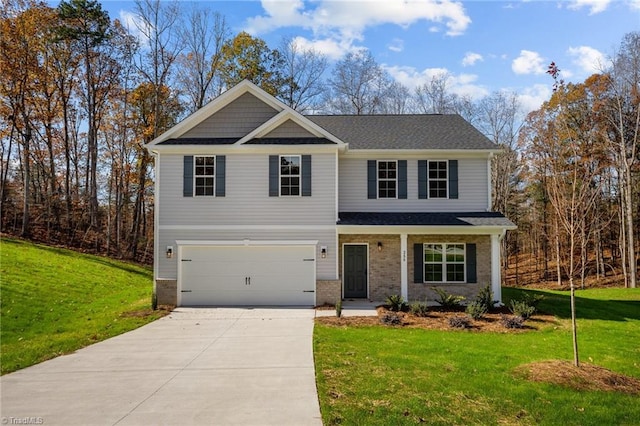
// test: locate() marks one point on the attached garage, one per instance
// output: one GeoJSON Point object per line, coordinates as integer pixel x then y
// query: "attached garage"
{"type": "Point", "coordinates": [246, 273]}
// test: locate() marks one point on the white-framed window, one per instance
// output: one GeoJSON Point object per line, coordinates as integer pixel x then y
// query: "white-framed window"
{"type": "Point", "coordinates": [437, 178]}
{"type": "Point", "coordinates": [444, 262]}
{"type": "Point", "coordinates": [290, 175]}
{"type": "Point", "coordinates": [387, 179]}
{"type": "Point", "coordinates": [204, 175]}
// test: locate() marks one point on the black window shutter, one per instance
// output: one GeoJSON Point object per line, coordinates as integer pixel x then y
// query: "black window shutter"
{"type": "Point", "coordinates": [402, 179]}
{"type": "Point", "coordinates": [221, 172]}
{"type": "Point", "coordinates": [472, 274]}
{"type": "Point", "coordinates": [453, 179]}
{"type": "Point", "coordinates": [274, 189]}
{"type": "Point", "coordinates": [372, 185]}
{"type": "Point", "coordinates": [187, 175]}
{"type": "Point", "coordinates": [422, 179]}
{"type": "Point", "coordinates": [306, 175]}
{"type": "Point", "coordinates": [418, 263]}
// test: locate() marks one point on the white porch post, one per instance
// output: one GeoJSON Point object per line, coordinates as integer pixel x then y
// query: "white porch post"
{"type": "Point", "coordinates": [496, 280]}
{"type": "Point", "coordinates": [404, 286]}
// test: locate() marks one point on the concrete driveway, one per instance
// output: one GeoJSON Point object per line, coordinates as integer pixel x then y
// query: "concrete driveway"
{"type": "Point", "coordinates": [197, 366]}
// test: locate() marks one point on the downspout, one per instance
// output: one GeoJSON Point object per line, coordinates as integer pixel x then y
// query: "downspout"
{"type": "Point", "coordinates": [156, 215]}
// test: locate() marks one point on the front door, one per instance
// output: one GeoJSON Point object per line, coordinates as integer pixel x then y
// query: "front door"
{"type": "Point", "coordinates": [355, 271]}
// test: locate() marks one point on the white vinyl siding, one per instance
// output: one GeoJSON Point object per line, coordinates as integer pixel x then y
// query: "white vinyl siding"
{"type": "Point", "coordinates": [234, 120]}
{"type": "Point", "coordinates": [472, 187]}
{"type": "Point", "coordinates": [289, 129]}
{"type": "Point", "coordinates": [247, 200]}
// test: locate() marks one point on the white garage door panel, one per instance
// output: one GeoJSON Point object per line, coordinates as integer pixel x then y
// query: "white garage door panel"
{"type": "Point", "coordinates": [247, 275]}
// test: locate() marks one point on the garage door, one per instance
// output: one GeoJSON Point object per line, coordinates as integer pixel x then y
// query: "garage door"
{"type": "Point", "coordinates": [247, 275]}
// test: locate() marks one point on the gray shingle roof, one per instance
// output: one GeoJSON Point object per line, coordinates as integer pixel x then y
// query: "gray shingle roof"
{"type": "Point", "coordinates": [425, 219]}
{"type": "Point", "coordinates": [200, 141]}
{"type": "Point", "coordinates": [416, 131]}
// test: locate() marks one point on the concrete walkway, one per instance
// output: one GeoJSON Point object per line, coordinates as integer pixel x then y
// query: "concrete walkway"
{"type": "Point", "coordinates": [211, 366]}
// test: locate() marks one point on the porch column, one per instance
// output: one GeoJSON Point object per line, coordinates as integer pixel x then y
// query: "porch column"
{"type": "Point", "coordinates": [404, 286]}
{"type": "Point", "coordinates": [496, 280]}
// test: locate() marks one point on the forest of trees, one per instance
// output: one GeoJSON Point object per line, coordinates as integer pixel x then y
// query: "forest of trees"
{"type": "Point", "coordinates": [80, 95]}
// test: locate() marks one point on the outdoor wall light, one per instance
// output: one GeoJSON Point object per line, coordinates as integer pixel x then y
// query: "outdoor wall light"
{"type": "Point", "coordinates": [323, 251]}
{"type": "Point", "coordinates": [379, 246]}
{"type": "Point", "coordinates": [169, 252]}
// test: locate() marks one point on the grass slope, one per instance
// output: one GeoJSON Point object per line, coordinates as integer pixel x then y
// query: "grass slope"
{"type": "Point", "coordinates": [54, 301]}
{"type": "Point", "coordinates": [381, 375]}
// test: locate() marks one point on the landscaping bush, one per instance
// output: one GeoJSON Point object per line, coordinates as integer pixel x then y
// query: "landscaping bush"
{"type": "Point", "coordinates": [448, 300]}
{"type": "Point", "coordinates": [419, 309]}
{"type": "Point", "coordinates": [396, 303]}
{"type": "Point", "coordinates": [459, 322]}
{"type": "Point", "coordinates": [512, 321]}
{"type": "Point", "coordinates": [476, 310]}
{"type": "Point", "coordinates": [485, 298]}
{"type": "Point", "coordinates": [521, 308]}
{"type": "Point", "coordinates": [391, 319]}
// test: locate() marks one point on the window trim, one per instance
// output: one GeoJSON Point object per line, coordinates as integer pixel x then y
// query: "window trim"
{"type": "Point", "coordinates": [444, 263]}
{"type": "Point", "coordinates": [214, 176]}
{"type": "Point", "coordinates": [445, 179]}
{"type": "Point", "coordinates": [299, 175]}
{"type": "Point", "coordinates": [386, 180]}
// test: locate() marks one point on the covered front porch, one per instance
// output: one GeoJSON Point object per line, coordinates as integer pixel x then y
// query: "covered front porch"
{"type": "Point", "coordinates": [381, 254]}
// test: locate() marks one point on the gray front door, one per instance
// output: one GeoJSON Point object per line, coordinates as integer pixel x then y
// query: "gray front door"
{"type": "Point", "coordinates": [355, 271]}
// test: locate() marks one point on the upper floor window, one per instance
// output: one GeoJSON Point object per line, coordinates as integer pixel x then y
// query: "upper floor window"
{"type": "Point", "coordinates": [387, 179]}
{"type": "Point", "coordinates": [290, 175]}
{"type": "Point", "coordinates": [204, 175]}
{"type": "Point", "coordinates": [437, 178]}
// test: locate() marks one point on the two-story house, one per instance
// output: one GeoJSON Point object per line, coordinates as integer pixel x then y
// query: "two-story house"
{"type": "Point", "coordinates": [256, 204]}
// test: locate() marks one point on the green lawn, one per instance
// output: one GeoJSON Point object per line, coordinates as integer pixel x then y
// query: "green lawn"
{"type": "Point", "coordinates": [379, 375]}
{"type": "Point", "coordinates": [54, 301]}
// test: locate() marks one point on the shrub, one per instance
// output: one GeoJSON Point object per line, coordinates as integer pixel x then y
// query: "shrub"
{"type": "Point", "coordinates": [419, 309]}
{"type": "Point", "coordinates": [396, 303]}
{"type": "Point", "coordinates": [512, 321]}
{"type": "Point", "coordinates": [521, 308]}
{"type": "Point", "coordinates": [476, 310]}
{"type": "Point", "coordinates": [448, 300]}
{"type": "Point", "coordinates": [154, 301]}
{"type": "Point", "coordinates": [391, 319]}
{"type": "Point", "coordinates": [532, 299]}
{"type": "Point", "coordinates": [459, 322]}
{"type": "Point", "coordinates": [485, 298]}
{"type": "Point", "coordinates": [339, 308]}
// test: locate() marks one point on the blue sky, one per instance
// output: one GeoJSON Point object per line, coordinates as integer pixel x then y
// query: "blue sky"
{"type": "Point", "coordinates": [484, 45]}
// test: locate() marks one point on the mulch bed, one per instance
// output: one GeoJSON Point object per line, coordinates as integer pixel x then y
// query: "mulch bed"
{"type": "Point", "coordinates": [587, 377]}
{"type": "Point", "coordinates": [438, 319]}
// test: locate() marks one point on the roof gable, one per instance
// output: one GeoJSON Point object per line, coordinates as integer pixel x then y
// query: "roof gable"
{"type": "Point", "coordinates": [231, 106]}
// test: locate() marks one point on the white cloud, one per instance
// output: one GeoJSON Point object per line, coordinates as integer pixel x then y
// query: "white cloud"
{"type": "Point", "coordinates": [595, 6]}
{"type": "Point", "coordinates": [345, 21]}
{"type": "Point", "coordinates": [634, 4]}
{"type": "Point", "coordinates": [471, 58]}
{"type": "Point", "coordinates": [396, 45]}
{"type": "Point", "coordinates": [334, 49]}
{"type": "Point", "coordinates": [533, 97]}
{"type": "Point", "coordinates": [461, 84]}
{"type": "Point", "coordinates": [588, 59]}
{"type": "Point", "coordinates": [133, 23]}
{"type": "Point", "coordinates": [528, 63]}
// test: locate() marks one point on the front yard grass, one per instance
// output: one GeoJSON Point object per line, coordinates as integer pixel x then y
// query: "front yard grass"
{"type": "Point", "coordinates": [380, 375]}
{"type": "Point", "coordinates": [54, 301]}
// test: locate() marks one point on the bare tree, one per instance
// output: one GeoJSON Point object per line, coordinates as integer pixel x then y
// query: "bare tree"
{"type": "Point", "coordinates": [623, 117]}
{"type": "Point", "coordinates": [357, 85]}
{"type": "Point", "coordinates": [198, 66]}
{"type": "Point", "coordinates": [435, 97]}
{"type": "Point", "coordinates": [303, 71]}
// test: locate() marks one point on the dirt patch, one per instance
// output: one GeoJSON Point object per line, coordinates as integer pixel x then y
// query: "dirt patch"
{"type": "Point", "coordinates": [587, 377]}
{"type": "Point", "coordinates": [439, 320]}
{"type": "Point", "coordinates": [162, 311]}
